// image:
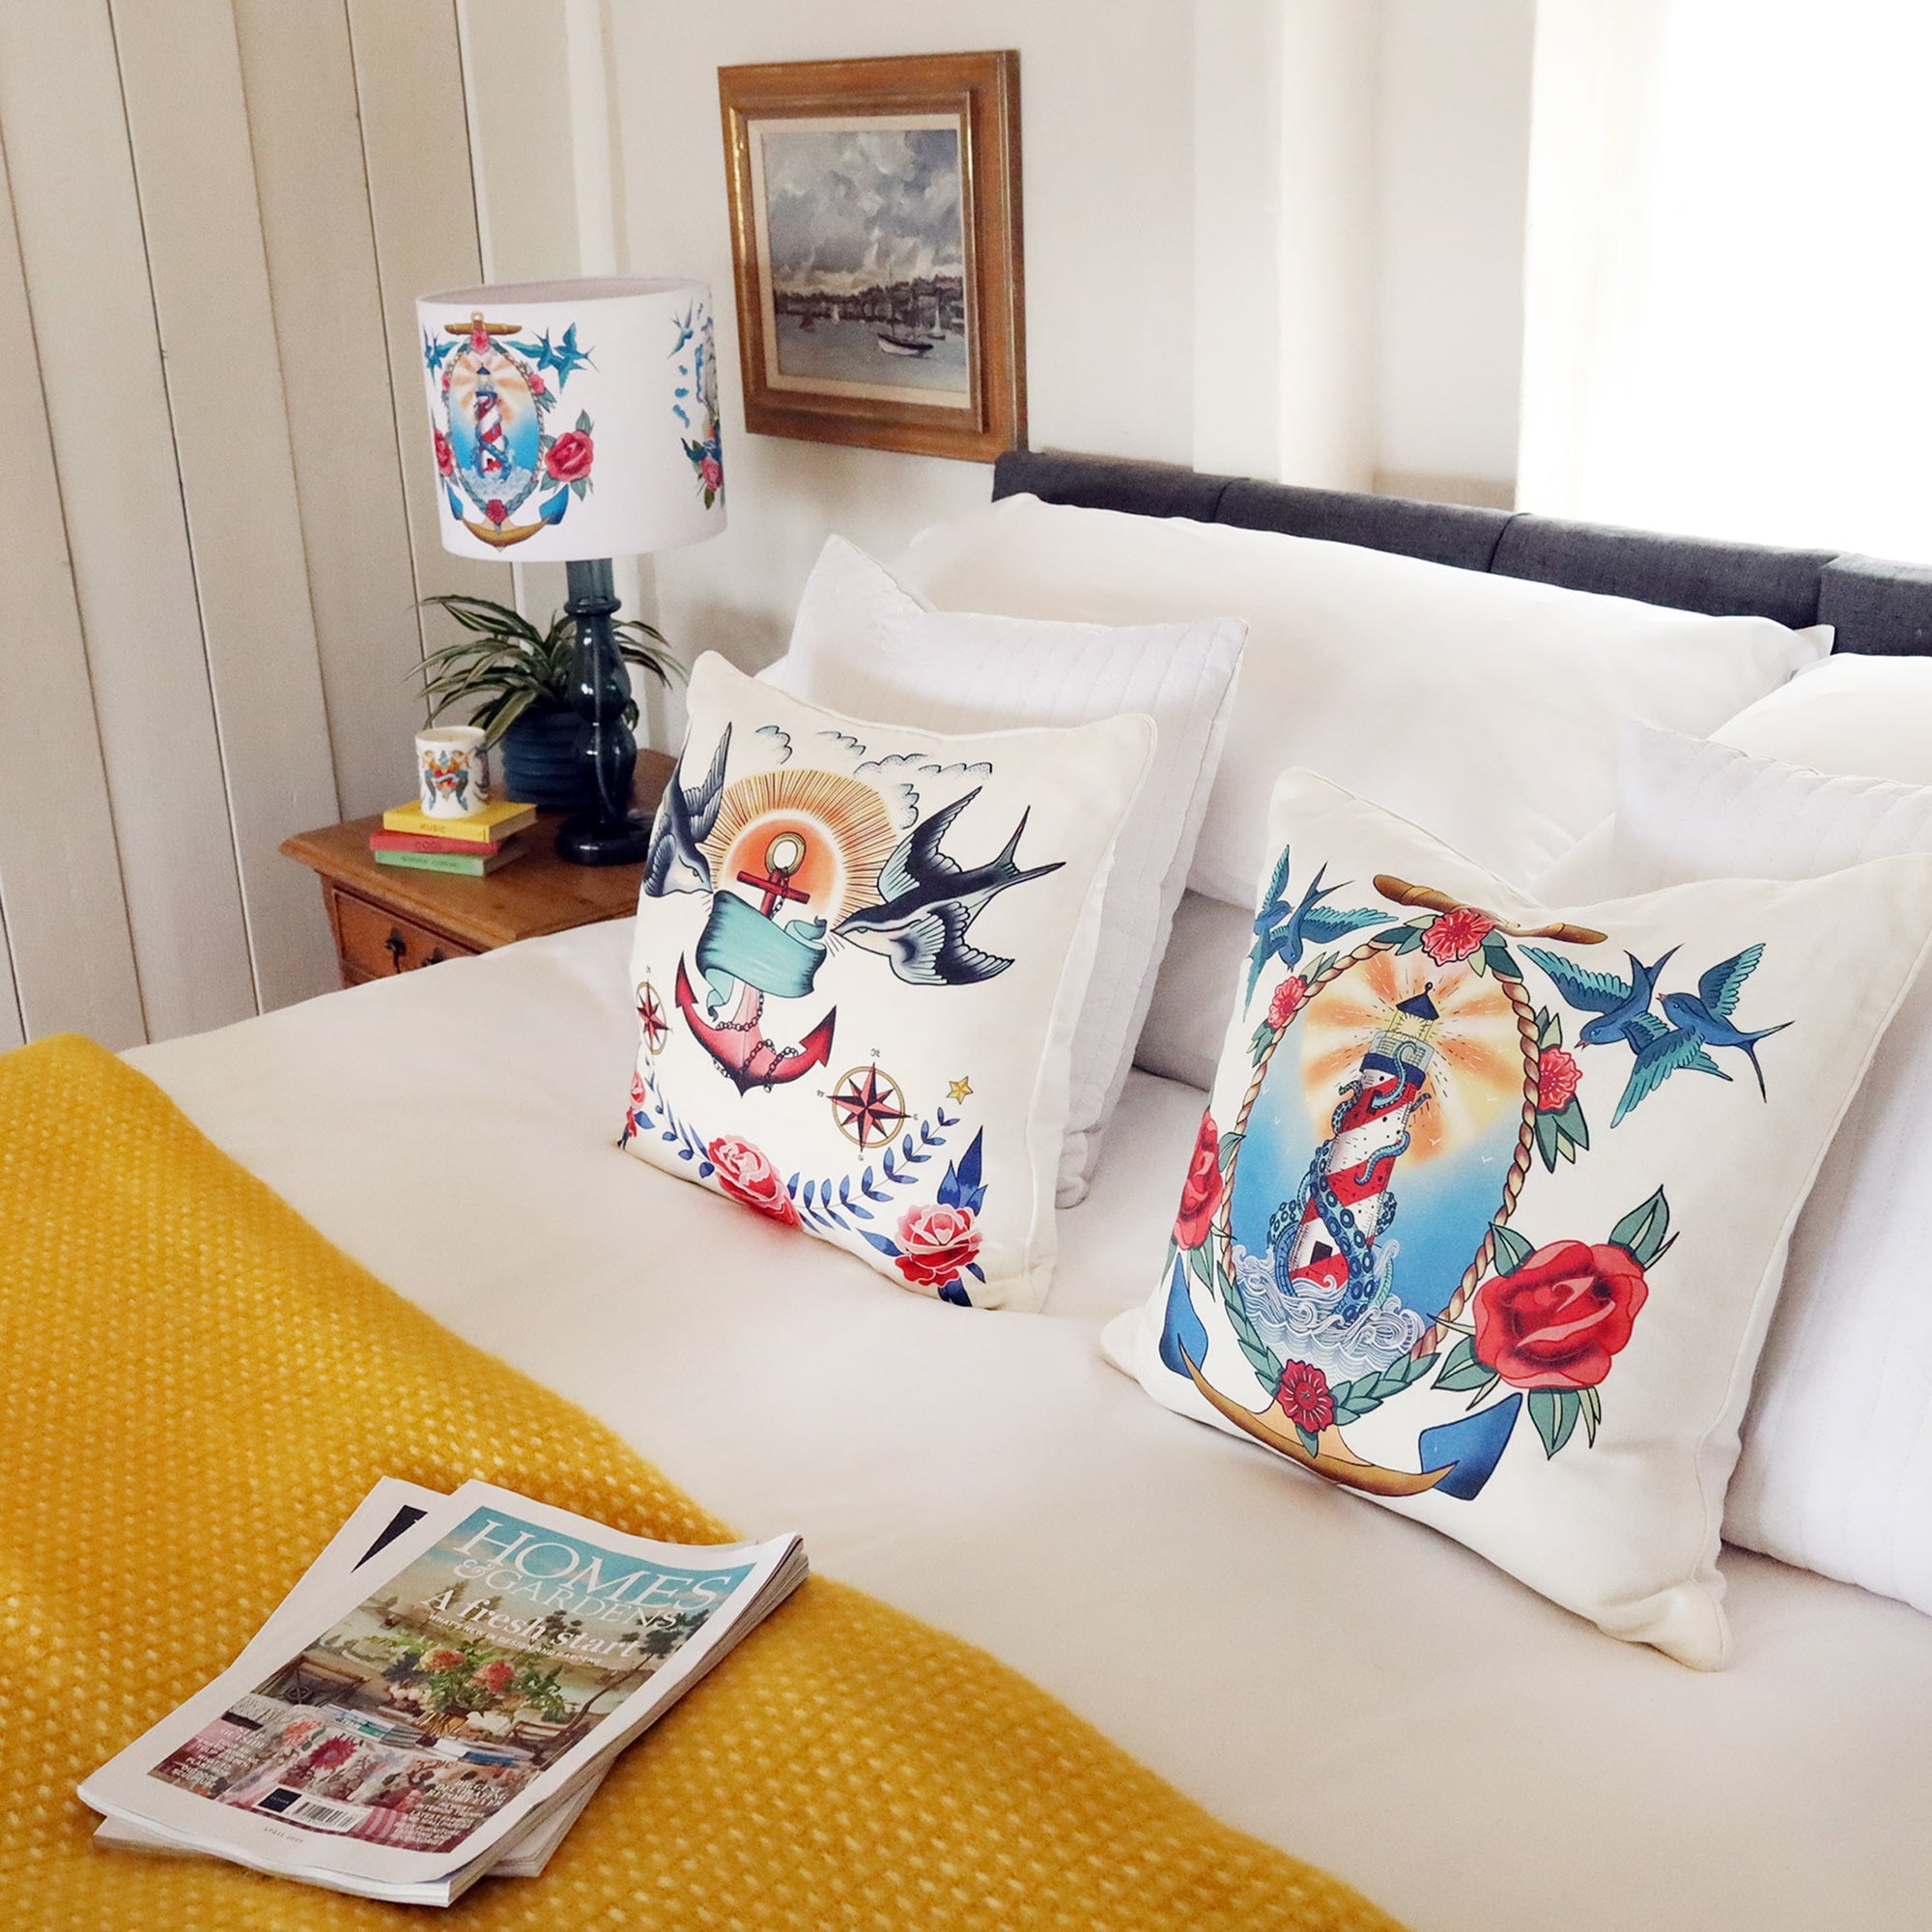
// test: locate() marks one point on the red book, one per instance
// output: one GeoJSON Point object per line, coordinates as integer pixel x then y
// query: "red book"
{"type": "Point", "coordinates": [421, 841]}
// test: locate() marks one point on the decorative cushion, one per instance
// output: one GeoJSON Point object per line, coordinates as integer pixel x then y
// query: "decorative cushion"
{"type": "Point", "coordinates": [1489, 1204]}
{"type": "Point", "coordinates": [859, 958]}
{"type": "Point", "coordinates": [1485, 706]}
{"type": "Point", "coordinates": [864, 646]}
{"type": "Point", "coordinates": [1836, 1470]}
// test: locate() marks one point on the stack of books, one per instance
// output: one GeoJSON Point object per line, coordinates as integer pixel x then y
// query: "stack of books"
{"type": "Point", "coordinates": [471, 847]}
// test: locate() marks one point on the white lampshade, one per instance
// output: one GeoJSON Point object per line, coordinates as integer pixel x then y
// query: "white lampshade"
{"type": "Point", "coordinates": [572, 420]}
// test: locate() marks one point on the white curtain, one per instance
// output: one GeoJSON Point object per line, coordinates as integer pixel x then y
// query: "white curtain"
{"type": "Point", "coordinates": [1728, 277]}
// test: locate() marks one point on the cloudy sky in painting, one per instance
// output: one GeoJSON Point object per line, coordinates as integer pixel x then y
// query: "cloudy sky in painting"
{"type": "Point", "coordinates": [848, 209]}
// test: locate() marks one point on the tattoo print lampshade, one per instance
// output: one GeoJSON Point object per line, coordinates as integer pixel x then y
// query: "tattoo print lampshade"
{"type": "Point", "coordinates": [574, 419]}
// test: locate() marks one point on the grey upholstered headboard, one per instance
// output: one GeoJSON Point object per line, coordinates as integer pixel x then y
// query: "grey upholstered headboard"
{"type": "Point", "coordinates": [1878, 607]}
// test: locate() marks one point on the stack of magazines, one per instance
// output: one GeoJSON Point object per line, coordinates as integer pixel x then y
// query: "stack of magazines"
{"type": "Point", "coordinates": [439, 1697]}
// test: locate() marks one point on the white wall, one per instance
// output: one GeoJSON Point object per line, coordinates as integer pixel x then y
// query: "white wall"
{"type": "Point", "coordinates": [1107, 107]}
{"type": "Point", "coordinates": [1454, 164]}
{"type": "Point", "coordinates": [1330, 182]}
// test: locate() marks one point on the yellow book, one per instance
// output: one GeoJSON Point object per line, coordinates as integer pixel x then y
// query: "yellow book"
{"type": "Point", "coordinates": [493, 822]}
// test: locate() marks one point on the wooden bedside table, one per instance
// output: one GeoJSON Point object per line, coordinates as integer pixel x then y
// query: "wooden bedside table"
{"type": "Point", "coordinates": [389, 920]}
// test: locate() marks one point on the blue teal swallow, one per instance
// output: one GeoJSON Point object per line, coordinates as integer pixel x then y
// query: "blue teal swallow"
{"type": "Point", "coordinates": [1283, 931]}
{"type": "Point", "coordinates": [1620, 1005]}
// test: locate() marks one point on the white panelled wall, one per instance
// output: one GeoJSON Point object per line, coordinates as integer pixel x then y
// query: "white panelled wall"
{"type": "Point", "coordinates": [217, 213]}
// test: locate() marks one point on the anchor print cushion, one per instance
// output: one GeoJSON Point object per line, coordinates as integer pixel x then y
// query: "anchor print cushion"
{"type": "Point", "coordinates": [1488, 1209]}
{"type": "Point", "coordinates": [860, 957]}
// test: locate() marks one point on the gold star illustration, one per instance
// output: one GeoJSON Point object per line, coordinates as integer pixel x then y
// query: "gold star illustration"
{"type": "Point", "coordinates": [959, 1090]}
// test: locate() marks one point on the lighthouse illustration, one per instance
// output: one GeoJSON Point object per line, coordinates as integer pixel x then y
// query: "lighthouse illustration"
{"type": "Point", "coordinates": [1324, 1241]}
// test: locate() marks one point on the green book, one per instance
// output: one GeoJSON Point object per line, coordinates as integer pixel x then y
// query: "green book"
{"type": "Point", "coordinates": [448, 862]}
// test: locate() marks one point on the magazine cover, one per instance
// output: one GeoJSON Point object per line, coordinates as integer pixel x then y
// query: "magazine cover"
{"type": "Point", "coordinates": [495, 1640]}
{"type": "Point", "coordinates": [390, 1508]}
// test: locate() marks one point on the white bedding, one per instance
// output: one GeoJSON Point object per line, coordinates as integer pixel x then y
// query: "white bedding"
{"type": "Point", "coordinates": [1369, 1696]}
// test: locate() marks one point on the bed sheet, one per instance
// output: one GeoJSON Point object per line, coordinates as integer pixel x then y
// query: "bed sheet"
{"type": "Point", "coordinates": [1343, 1682]}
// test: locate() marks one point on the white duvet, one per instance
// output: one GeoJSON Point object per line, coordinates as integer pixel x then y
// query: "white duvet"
{"type": "Point", "coordinates": [1364, 1694]}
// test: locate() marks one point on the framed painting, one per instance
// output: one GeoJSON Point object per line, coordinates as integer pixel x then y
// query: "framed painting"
{"type": "Point", "coordinates": [876, 232]}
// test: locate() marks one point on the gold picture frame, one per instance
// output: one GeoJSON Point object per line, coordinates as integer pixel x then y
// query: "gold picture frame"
{"type": "Point", "coordinates": [875, 239]}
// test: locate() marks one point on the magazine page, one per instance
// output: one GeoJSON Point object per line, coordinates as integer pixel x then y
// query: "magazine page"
{"type": "Point", "coordinates": [390, 1508]}
{"type": "Point", "coordinates": [491, 1653]}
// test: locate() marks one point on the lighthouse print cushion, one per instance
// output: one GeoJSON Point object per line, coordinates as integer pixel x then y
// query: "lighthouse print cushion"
{"type": "Point", "coordinates": [1489, 1208]}
{"type": "Point", "coordinates": [859, 956]}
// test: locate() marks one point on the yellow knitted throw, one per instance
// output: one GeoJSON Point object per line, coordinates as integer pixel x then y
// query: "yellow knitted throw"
{"type": "Point", "coordinates": [198, 1388]}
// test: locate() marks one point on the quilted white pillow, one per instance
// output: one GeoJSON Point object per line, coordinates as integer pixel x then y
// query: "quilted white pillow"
{"type": "Point", "coordinates": [1485, 707]}
{"type": "Point", "coordinates": [859, 956]}
{"type": "Point", "coordinates": [1488, 1213]}
{"type": "Point", "coordinates": [1836, 1470]}
{"type": "Point", "coordinates": [864, 646]}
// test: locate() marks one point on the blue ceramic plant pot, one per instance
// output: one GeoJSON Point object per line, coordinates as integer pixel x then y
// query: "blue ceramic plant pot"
{"type": "Point", "coordinates": [540, 765]}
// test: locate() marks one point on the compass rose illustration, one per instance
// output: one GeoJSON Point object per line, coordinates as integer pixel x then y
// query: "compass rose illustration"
{"type": "Point", "coordinates": [651, 1018]}
{"type": "Point", "coordinates": [868, 1106]}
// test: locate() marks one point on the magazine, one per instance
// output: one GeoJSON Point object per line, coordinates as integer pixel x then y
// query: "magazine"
{"type": "Point", "coordinates": [439, 1696]}
{"type": "Point", "coordinates": [391, 1507]}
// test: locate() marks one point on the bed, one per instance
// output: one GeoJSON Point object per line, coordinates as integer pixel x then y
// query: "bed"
{"type": "Point", "coordinates": [1369, 1696]}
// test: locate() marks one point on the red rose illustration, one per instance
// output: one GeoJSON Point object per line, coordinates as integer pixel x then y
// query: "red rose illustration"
{"type": "Point", "coordinates": [494, 1676]}
{"type": "Point", "coordinates": [747, 1174]}
{"type": "Point", "coordinates": [536, 383]}
{"type": "Point", "coordinates": [496, 510]}
{"type": "Point", "coordinates": [1456, 934]}
{"type": "Point", "coordinates": [711, 473]}
{"type": "Point", "coordinates": [570, 456]}
{"type": "Point", "coordinates": [1557, 1076]}
{"type": "Point", "coordinates": [1304, 1397]}
{"type": "Point", "coordinates": [1290, 997]}
{"type": "Point", "coordinates": [939, 1242]}
{"type": "Point", "coordinates": [442, 1658]}
{"type": "Point", "coordinates": [1201, 1192]}
{"type": "Point", "coordinates": [445, 461]}
{"type": "Point", "coordinates": [1560, 1317]}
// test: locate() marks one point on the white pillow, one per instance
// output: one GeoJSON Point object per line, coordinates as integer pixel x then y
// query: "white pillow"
{"type": "Point", "coordinates": [1836, 1470]}
{"type": "Point", "coordinates": [1187, 1015]}
{"type": "Point", "coordinates": [1486, 1220]}
{"type": "Point", "coordinates": [1856, 715]}
{"type": "Point", "coordinates": [1485, 707]}
{"type": "Point", "coordinates": [864, 646]}
{"type": "Point", "coordinates": [860, 957]}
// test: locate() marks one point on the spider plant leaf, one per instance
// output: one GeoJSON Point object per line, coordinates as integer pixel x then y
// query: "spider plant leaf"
{"type": "Point", "coordinates": [452, 659]}
{"type": "Point", "coordinates": [469, 674]}
{"type": "Point", "coordinates": [477, 621]}
{"type": "Point", "coordinates": [505, 713]}
{"type": "Point", "coordinates": [483, 614]}
{"type": "Point", "coordinates": [659, 668]}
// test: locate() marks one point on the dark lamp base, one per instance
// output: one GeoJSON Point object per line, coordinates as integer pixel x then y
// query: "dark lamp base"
{"type": "Point", "coordinates": [606, 833]}
{"type": "Point", "coordinates": [588, 839]}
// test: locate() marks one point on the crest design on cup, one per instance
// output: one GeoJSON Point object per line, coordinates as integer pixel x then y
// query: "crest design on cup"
{"type": "Point", "coordinates": [453, 773]}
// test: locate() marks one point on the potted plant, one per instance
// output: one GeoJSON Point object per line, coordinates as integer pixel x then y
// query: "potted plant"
{"type": "Point", "coordinates": [514, 681]}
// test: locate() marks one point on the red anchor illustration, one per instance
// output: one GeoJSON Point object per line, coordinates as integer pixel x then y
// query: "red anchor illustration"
{"type": "Point", "coordinates": [738, 1043]}
{"type": "Point", "coordinates": [744, 1055]}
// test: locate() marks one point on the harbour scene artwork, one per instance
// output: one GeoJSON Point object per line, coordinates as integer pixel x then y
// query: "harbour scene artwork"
{"type": "Point", "coordinates": [863, 241]}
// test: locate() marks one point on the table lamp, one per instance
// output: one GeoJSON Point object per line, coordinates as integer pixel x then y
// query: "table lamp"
{"type": "Point", "coordinates": [576, 421]}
